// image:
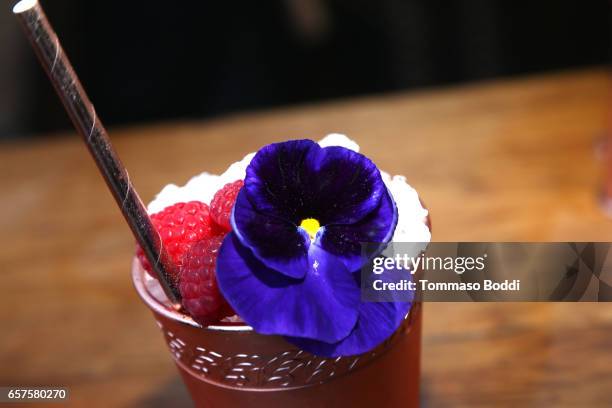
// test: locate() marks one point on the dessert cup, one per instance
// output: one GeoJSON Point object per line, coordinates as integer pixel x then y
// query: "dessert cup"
{"type": "Point", "coordinates": [230, 365]}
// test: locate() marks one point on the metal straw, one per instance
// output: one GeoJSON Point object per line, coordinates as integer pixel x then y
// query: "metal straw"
{"type": "Point", "coordinates": [53, 59]}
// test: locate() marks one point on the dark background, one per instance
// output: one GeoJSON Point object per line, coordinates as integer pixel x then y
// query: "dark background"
{"type": "Point", "coordinates": [152, 61]}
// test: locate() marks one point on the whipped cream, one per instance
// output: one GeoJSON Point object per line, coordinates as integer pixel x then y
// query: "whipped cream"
{"type": "Point", "coordinates": [411, 226]}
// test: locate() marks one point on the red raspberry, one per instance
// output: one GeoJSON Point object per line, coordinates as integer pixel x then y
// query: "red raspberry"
{"type": "Point", "coordinates": [223, 202]}
{"type": "Point", "coordinates": [201, 296]}
{"type": "Point", "coordinates": [180, 226]}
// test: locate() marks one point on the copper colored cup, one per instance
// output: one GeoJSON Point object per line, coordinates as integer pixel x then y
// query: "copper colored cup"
{"type": "Point", "coordinates": [230, 365]}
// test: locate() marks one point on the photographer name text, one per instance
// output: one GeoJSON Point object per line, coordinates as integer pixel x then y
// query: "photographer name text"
{"type": "Point", "coordinates": [426, 285]}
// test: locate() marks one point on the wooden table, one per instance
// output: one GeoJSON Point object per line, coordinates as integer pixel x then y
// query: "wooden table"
{"type": "Point", "coordinates": [505, 160]}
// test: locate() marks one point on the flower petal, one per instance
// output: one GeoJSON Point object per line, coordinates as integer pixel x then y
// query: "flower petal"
{"type": "Point", "coordinates": [348, 185]}
{"type": "Point", "coordinates": [275, 241]}
{"type": "Point", "coordinates": [344, 240]}
{"type": "Point", "coordinates": [276, 179]}
{"type": "Point", "coordinates": [375, 323]}
{"type": "Point", "coordinates": [299, 179]}
{"type": "Point", "coordinates": [321, 306]}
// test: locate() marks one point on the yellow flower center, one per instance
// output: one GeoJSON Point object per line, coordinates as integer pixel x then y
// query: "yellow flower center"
{"type": "Point", "coordinates": [311, 226]}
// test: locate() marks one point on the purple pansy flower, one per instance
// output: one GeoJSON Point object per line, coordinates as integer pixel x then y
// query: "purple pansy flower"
{"type": "Point", "coordinates": [291, 265]}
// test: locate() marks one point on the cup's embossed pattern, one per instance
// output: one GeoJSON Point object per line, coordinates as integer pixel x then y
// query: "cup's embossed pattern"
{"type": "Point", "coordinates": [286, 369]}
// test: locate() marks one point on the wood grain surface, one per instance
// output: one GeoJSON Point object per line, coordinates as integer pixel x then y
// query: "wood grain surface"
{"type": "Point", "coordinates": [504, 160]}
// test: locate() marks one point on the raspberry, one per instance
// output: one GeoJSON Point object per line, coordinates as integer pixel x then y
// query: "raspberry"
{"type": "Point", "coordinates": [222, 204]}
{"type": "Point", "coordinates": [198, 286]}
{"type": "Point", "coordinates": [180, 226]}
